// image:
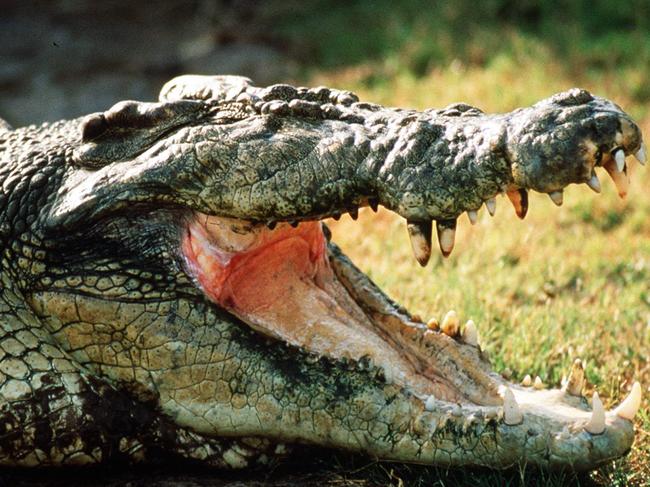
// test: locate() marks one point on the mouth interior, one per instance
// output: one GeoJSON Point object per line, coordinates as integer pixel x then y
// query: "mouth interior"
{"type": "Point", "coordinates": [282, 283]}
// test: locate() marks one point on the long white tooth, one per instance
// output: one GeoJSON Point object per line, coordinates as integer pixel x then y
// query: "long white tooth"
{"type": "Point", "coordinates": [557, 197]}
{"type": "Point", "coordinates": [538, 384]}
{"type": "Point", "coordinates": [576, 381]}
{"type": "Point", "coordinates": [594, 182]}
{"type": "Point", "coordinates": [447, 239]}
{"type": "Point", "coordinates": [619, 157]}
{"type": "Point", "coordinates": [470, 333]}
{"type": "Point", "coordinates": [596, 424]}
{"type": "Point", "coordinates": [450, 324]}
{"type": "Point", "coordinates": [630, 405]}
{"type": "Point", "coordinates": [446, 236]}
{"type": "Point", "coordinates": [512, 415]}
{"type": "Point", "coordinates": [420, 236]}
{"type": "Point", "coordinates": [473, 216]}
{"type": "Point", "coordinates": [641, 155]}
{"type": "Point", "coordinates": [491, 205]}
{"type": "Point", "coordinates": [527, 381]}
{"type": "Point", "coordinates": [430, 403]}
{"type": "Point", "coordinates": [621, 179]}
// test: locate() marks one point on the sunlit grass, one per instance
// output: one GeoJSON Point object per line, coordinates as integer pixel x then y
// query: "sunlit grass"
{"type": "Point", "coordinates": [564, 283]}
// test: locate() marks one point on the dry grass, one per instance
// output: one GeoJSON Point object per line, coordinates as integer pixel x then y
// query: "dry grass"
{"type": "Point", "coordinates": [564, 283]}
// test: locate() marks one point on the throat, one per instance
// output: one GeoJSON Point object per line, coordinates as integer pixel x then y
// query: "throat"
{"type": "Point", "coordinates": [281, 283]}
{"type": "Point", "coordinates": [250, 270]}
{"type": "Point", "coordinates": [278, 281]}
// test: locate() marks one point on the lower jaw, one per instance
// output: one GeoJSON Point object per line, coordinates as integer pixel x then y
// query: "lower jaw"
{"type": "Point", "coordinates": [294, 286]}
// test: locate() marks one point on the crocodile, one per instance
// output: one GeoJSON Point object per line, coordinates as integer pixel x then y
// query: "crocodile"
{"type": "Point", "coordinates": [169, 287]}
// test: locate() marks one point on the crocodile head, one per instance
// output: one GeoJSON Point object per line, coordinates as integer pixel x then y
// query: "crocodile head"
{"type": "Point", "coordinates": [183, 259]}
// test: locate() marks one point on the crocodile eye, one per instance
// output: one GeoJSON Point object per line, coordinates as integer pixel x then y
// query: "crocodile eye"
{"type": "Point", "coordinates": [130, 127]}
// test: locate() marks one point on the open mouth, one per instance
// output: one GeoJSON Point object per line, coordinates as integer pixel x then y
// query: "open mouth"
{"type": "Point", "coordinates": [289, 283]}
{"type": "Point", "coordinates": [285, 283]}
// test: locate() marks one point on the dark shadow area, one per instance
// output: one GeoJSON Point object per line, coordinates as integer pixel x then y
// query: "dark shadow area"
{"type": "Point", "coordinates": [308, 466]}
{"type": "Point", "coordinates": [62, 59]}
{"type": "Point", "coordinates": [330, 33]}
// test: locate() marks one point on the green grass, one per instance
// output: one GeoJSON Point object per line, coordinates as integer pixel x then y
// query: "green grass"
{"type": "Point", "coordinates": [565, 283]}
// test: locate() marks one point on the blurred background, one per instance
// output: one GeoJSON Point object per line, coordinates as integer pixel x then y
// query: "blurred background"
{"type": "Point", "coordinates": [564, 283]}
{"type": "Point", "coordinates": [62, 58]}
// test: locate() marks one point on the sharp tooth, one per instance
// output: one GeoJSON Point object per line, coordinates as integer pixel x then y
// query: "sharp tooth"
{"type": "Point", "coordinates": [433, 324]}
{"type": "Point", "coordinates": [420, 235]}
{"type": "Point", "coordinates": [294, 223]}
{"type": "Point", "coordinates": [619, 157]}
{"type": "Point", "coordinates": [374, 204]}
{"type": "Point", "coordinates": [354, 213]}
{"type": "Point", "coordinates": [430, 403]}
{"type": "Point", "coordinates": [641, 155]}
{"type": "Point", "coordinates": [470, 333]}
{"type": "Point", "coordinates": [557, 197]}
{"type": "Point", "coordinates": [473, 216]}
{"type": "Point", "coordinates": [630, 405]}
{"type": "Point", "coordinates": [538, 384]}
{"type": "Point", "coordinates": [446, 235]}
{"type": "Point", "coordinates": [271, 224]}
{"type": "Point", "coordinates": [491, 205]}
{"type": "Point", "coordinates": [596, 424]}
{"type": "Point", "coordinates": [450, 324]}
{"type": "Point", "coordinates": [336, 216]}
{"type": "Point", "coordinates": [527, 381]}
{"type": "Point", "coordinates": [519, 199]}
{"type": "Point", "coordinates": [594, 182]}
{"type": "Point", "coordinates": [621, 179]}
{"type": "Point", "coordinates": [511, 413]}
{"type": "Point", "coordinates": [576, 381]}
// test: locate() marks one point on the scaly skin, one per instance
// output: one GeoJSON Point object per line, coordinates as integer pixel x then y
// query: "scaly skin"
{"type": "Point", "coordinates": [109, 348]}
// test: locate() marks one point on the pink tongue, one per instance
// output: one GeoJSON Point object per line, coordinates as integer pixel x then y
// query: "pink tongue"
{"type": "Point", "coordinates": [282, 270]}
